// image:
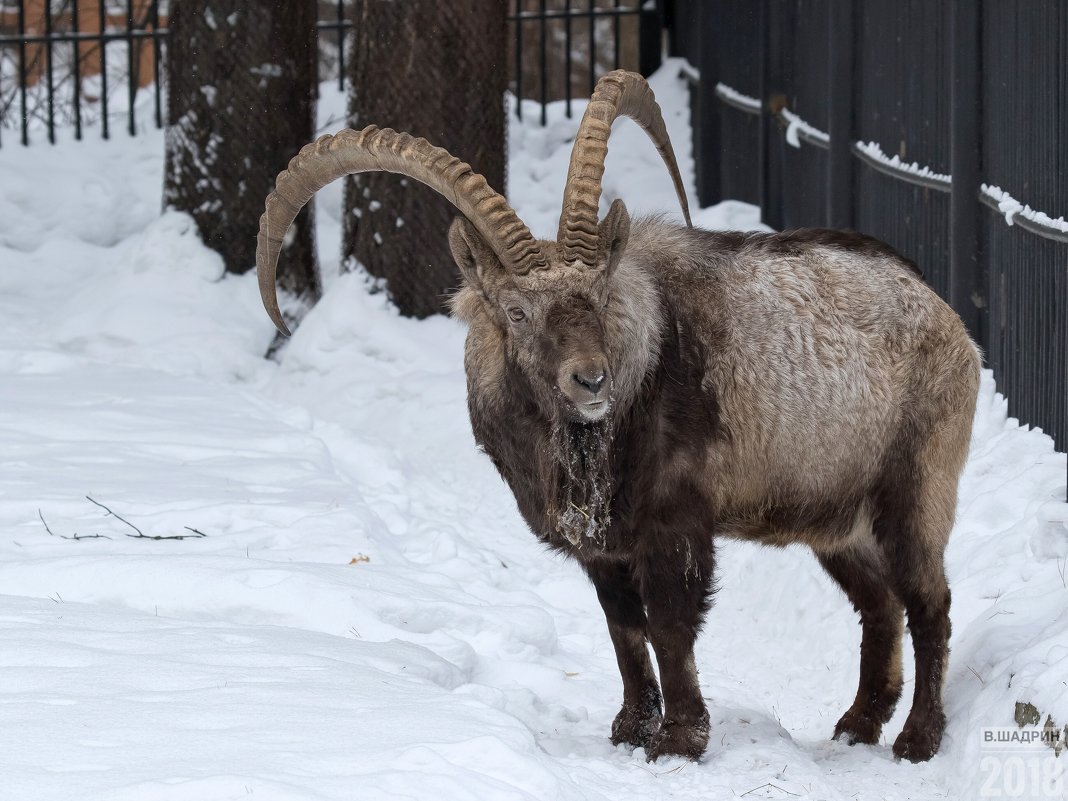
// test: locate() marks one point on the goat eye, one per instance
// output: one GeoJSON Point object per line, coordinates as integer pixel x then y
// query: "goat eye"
{"type": "Point", "coordinates": [516, 314]}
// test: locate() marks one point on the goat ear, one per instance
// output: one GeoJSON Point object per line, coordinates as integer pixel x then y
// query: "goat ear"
{"type": "Point", "coordinates": [472, 255]}
{"type": "Point", "coordinates": [614, 231]}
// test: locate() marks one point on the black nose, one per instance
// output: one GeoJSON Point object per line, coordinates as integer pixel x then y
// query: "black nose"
{"type": "Point", "coordinates": [591, 380]}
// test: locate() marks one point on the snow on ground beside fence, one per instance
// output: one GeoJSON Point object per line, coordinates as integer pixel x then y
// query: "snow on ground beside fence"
{"type": "Point", "coordinates": [367, 616]}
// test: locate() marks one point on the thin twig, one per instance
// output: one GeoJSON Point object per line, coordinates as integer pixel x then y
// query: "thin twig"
{"type": "Point", "coordinates": [119, 517]}
{"type": "Point", "coordinates": [769, 784]}
{"type": "Point", "coordinates": [140, 535]}
{"type": "Point", "coordinates": [75, 536]}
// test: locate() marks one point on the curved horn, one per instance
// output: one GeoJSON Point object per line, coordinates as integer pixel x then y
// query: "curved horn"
{"type": "Point", "coordinates": [617, 93]}
{"type": "Point", "coordinates": [349, 152]}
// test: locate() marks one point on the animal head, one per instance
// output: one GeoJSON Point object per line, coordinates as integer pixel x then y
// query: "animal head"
{"type": "Point", "coordinates": [550, 321]}
{"type": "Point", "coordinates": [551, 303]}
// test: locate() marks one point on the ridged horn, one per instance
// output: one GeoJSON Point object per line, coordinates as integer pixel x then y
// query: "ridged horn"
{"type": "Point", "coordinates": [618, 93]}
{"type": "Point", "coordinates": [349, 152]}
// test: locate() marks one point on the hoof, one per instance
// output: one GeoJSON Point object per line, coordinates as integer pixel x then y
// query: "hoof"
{"type": "Point", "coordinates": [680, 739]}
{"type": "Point", "coordinates": [856, 727]}
{"type": "Point", "coordinates": [633, 726]}
{"type": "Point", "coordinates": [918, 744]}
{"type": "Point", "coordinates": [636, 724]}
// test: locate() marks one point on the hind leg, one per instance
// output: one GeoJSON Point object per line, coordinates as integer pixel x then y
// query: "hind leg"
{"type": "Point", "coordinates": [915, 515]}
{"type": "Point", "coordinates": [921, 581]}
{"type": "Point", "coordinates": [860, 572]}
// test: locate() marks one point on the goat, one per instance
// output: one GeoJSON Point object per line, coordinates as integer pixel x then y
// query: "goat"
{"type": "Point", "coordinates": [643, 387]}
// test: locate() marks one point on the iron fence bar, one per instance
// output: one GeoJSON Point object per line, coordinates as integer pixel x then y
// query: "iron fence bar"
{"type": "Point", "coordinates": [650, 38]}
{"type": "Point", "coordinates": [341, 31]}
{"type": "Point", "coordinates": [131, 72]}
{"type": "Point", "coordinates": [103, 70]}
{"type": "Point", "coordinates": [518, 62]}
{"type": "Point", "coordinates": [50, 73]}
{"type": "Point", "coordinates": [77, 72]}
{"type": "Point", "coordinates": [593, 44]}
{"type": "Point", "coordinates": [83, 37]}
{"type": "Point", "coordinates": [543, 64]}
{"type": "Point", "coordinates": [615, 31]}
{"type": "Point", "coordinates": [576, 12]}
{"type": "Point", "coordinates": [567, 60]}
{"type": "Point", "coordinates": [156, 41]}
{"type": "Point", "coordinates": [22, 74]}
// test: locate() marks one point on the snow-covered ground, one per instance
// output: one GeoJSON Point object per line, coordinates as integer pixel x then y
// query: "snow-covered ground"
{"type": "Point", "coordinates": [367, 617]}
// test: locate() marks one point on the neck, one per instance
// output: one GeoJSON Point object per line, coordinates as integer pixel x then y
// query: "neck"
{"type": "Point", "coordinates": [634, 323]}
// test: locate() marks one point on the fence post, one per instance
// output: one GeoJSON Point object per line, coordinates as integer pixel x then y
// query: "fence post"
{"type": "Point", "coordinates": [841, 114]}
{"type": "Point", "coordinates": [650, 37]}
{"type": "Point", "coordinates": [769, 69]}
{"type": "Point", "coordinates": [708, 155]}
{"type": "Point", "coordinates": [967, 284]}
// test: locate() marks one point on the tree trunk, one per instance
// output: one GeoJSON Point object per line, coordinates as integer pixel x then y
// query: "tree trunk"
{"type": "Point", "coordinates": [438, 71]}
{"type": "Point", "coordinates": [242, 87]}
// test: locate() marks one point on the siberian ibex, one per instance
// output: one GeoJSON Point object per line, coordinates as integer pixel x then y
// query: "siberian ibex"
{"type": "Point", "coordinates": [644, 386]}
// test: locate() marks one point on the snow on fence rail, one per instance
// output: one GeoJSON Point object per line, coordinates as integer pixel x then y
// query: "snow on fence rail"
{"type": "Point", "coordinates": [797, 130]}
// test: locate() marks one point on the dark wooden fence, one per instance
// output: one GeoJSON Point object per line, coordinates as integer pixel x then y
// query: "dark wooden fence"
{"type": "Point", "coordinates": [910, 121]}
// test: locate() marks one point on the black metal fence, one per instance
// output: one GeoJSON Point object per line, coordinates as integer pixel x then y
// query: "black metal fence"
{"type": "Point", "coordinates": [939, 126]}
{"type": "Point", "coordinates": [51, 50]}
{"type": "Point", "coordinates": [67, 62]}
{"type": "Point", "coordinates": [561, 47]}
{"type": "Point", "coordinates": [60, 63]}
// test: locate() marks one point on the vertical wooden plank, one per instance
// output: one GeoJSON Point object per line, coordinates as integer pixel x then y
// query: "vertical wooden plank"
{"type": "Point", "coordinates": [706, 130]}
{"type": "Point", "coordinates": [841, 113]}
{"type": "Point", "coordinates": [967, 290]}
{"type": "Point", "coordinates": [768, 52]}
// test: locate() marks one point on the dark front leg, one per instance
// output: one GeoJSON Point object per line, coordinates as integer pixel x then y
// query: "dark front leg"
{"type": "Point", "coordinates": [676, 586]}
{"type": "Point", "coordinates": [639, 718]}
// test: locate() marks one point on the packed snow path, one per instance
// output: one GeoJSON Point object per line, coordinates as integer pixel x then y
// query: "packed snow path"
{"type": "Point", "coordinates": [367, 616]}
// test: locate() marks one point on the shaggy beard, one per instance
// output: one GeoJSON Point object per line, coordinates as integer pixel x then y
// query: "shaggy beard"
{"type": "Point", "coordinates": [582, 481]}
